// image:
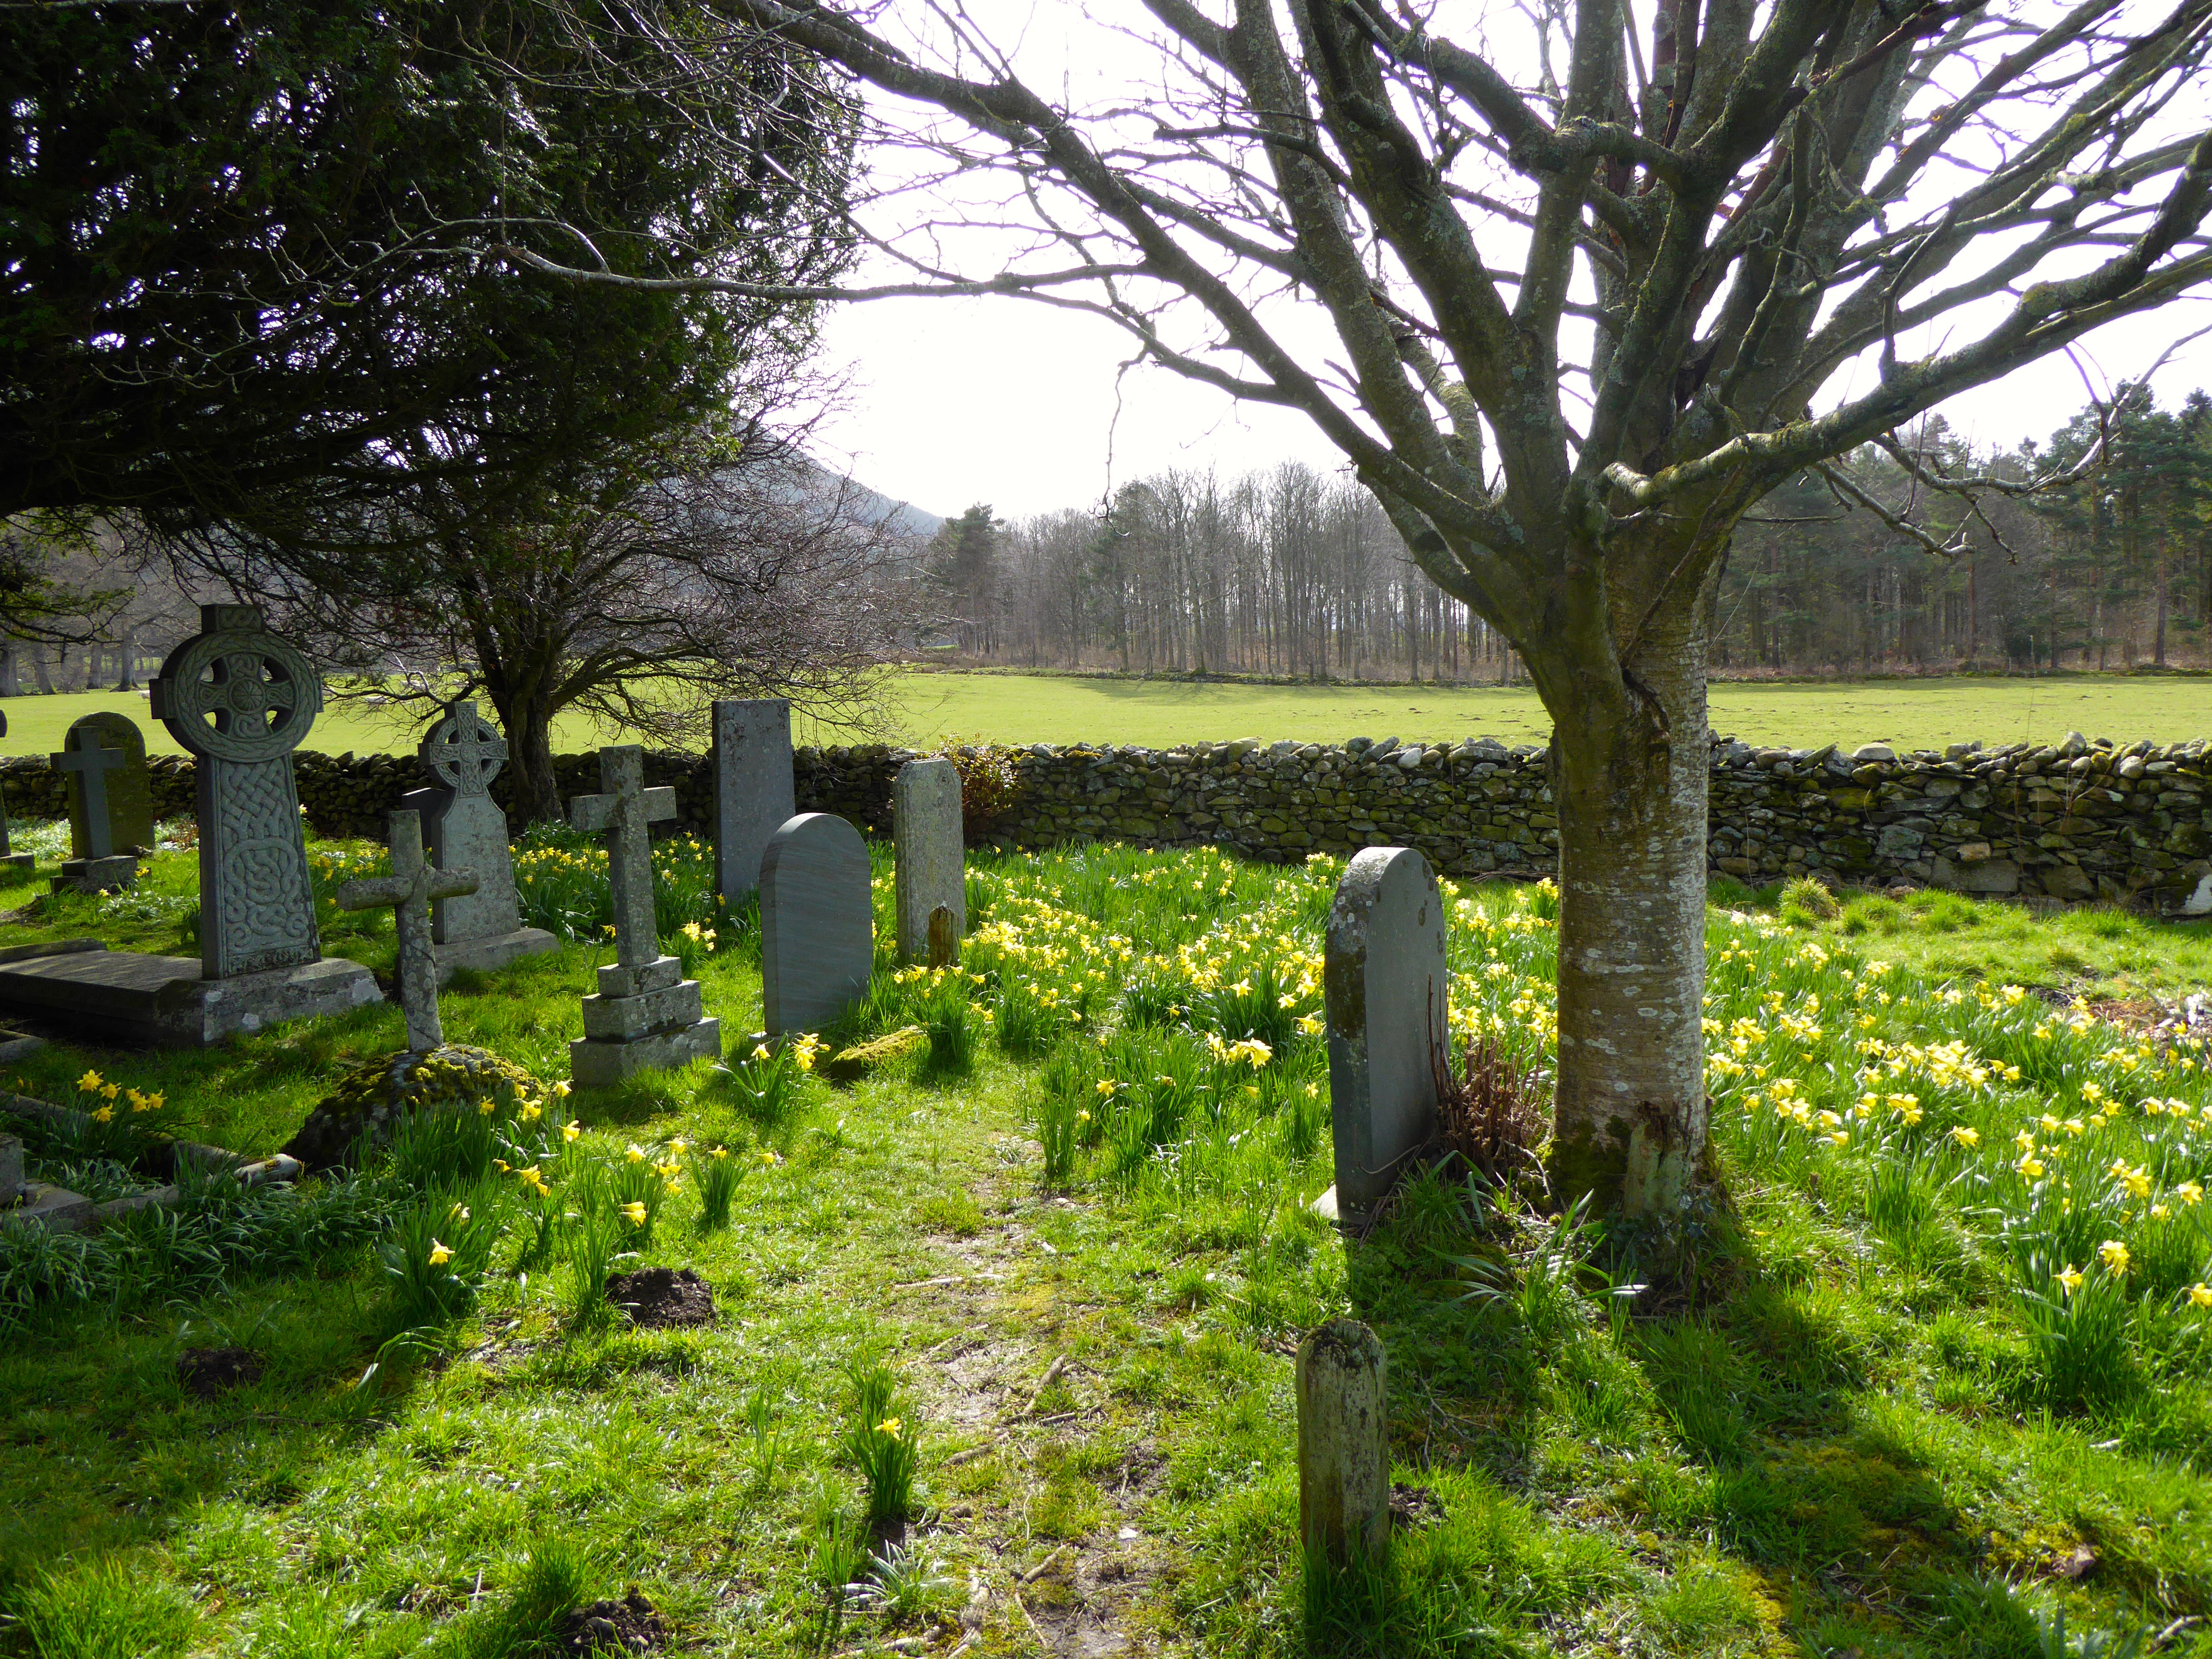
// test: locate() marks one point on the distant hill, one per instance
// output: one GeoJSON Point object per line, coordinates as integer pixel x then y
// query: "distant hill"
{"type": "Point", "coordinates": [878, 508]}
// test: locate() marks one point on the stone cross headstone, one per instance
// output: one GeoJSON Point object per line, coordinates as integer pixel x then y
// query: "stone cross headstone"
{"type": "Point", "coordinates": [466, 829]}
{"type": "Point", "coordinates": [1383, 981]}
{"type": "Point", "coordinates": [929, 841]}
{"type": "Point", "coordinates": [817, 923]}
{"type": "Point", "coordinates": [241, 699]}
{"type": "Point", "coordinates": [111, 801]}
{"type": "Point", "coordinates": [8, 859]}
{"type": "Point", "coordinates": [752, 788]}
{"type": "Point", "coordinates": [408, 891]}
{"type": "Point", "coordinates": [646, 1013]}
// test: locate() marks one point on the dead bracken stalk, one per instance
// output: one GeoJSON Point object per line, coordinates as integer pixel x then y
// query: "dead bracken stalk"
{"type": "Point", "coordinates": [1494, 1113]}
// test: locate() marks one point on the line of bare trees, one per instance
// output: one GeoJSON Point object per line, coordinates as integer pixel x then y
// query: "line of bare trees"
{"type": "Point", "coordinates": [1298, 573]}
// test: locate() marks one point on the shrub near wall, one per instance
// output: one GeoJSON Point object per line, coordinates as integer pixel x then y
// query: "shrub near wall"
{"type": "Point", "coordinates": [2076, 820]}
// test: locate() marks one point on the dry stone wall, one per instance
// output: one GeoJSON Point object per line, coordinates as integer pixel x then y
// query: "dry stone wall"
{"type": "Point", "coordinates": [2074, 821]}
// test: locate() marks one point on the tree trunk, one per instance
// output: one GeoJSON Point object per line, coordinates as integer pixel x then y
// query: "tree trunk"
{"type": "Point", "coordinates": [529, 726]}
{"type": "Point", "coordinates": [1631, 1113]}
{"type": "Point", "coordinates": [2158, 647]}
{"type": "Point", "coordinates": [126, 661]}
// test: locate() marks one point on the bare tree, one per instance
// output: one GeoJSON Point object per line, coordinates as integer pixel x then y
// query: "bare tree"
{"type": "Point", "coordinates": [636, 600]}
{"type": "Point", "coordinates": [1579, 325]}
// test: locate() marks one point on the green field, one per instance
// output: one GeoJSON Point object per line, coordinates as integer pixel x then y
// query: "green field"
{"type": "Point", "coordinates": [1053, 709]}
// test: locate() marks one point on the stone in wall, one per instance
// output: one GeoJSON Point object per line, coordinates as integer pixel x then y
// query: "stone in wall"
{"type": "Point", "coordinates": [2078, 821]}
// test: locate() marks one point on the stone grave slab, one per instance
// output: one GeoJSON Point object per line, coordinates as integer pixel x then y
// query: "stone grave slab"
{"type": "Point", "coordinates": [931, 850]}
{"type": "Point", "coordinates": [129, 998]}
{"type": "Point", "coordinates": [1384, 983]}
{"type": "Point", "coordinates": [110, 803]}
{"type": "Point", "coordinates": [817, 923]}
{"type": "Point", "coordinates": [647, 1015]}
{"type": "Point", "coordinates": [466, 829]}
{"type": "Point", "coordinates": [753, 789]}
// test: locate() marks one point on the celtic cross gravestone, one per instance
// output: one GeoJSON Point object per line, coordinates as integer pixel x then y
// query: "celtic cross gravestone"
{"type": "Point", "coordinates": [466, 829]}
{"type": "Point", "coordinates": [408, 891]}
{"type": "Point", "coordinates": [242, 700]}
{"type": "Point", "coordinates": [646, 1013]}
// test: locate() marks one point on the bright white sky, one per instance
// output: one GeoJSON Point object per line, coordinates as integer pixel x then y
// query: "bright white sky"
{"type": "Point", "coordinates": [951, 402]}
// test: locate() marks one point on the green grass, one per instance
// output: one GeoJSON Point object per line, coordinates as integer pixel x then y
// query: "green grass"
{"type": "Point", "coordinates": [1008, 708]}
{"type": "Point", "coordinates": [1826, 1426]}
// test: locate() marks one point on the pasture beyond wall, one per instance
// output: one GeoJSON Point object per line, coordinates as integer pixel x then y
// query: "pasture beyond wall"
{"type": "Point", "coordinates": [2077, 822]}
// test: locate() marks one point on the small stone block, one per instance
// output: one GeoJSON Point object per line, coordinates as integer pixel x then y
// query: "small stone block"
{"type": "Point", "coordinates": [55, 1208]}
{"type": "Point", "coordinates": [598, 1064]}
{"type": "Point", "coordinates": [625, 1019]}
{"type": "Point", "coordinates": [16, 861]}
{"type": "Point", "coordinates": [493, 950]}
{"type": "Point", "coordinates": [11, 1168]}
{"type": "Point", "coordinates": [104, 875]}
{"type": "Point", "coordinates": [1344, 1444]}
{"type": "Point", "coordinates": [616, 981]}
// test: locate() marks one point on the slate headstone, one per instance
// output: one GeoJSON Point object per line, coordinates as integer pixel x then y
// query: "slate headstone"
{"type": "Point", "coordinates": [110, 802]}
{"type": "Point", "coordinates": [753, 790]}
{"type": "Point", "coordinates": [646, 1014]}
{"type": "Point", "coordinates": [1384, 985]}
{"type": "Point", "coordinates": [241, 699]}
{"type": "Point", "coordinates": [408, 891]}
{"type": "Point", "coordinates": [928, 837]}
{"type": "Point", "coordinates": [817, 923]}
{"type": "Point", "coordinates": [466, 829]}
{"type": "Point", "coordinates": [9, 860]}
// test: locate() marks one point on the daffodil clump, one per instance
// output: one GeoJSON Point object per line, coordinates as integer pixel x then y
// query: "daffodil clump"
{"type": "Point", "coordinates": [560, 879]}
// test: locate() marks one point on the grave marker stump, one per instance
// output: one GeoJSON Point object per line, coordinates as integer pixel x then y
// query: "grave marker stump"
{"type": "Point", "coordinates": [1344, 1444]}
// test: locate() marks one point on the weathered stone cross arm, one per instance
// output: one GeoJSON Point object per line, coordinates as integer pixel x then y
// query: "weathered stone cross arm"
{"type": "Point", "coordinates": [390, 892]}
{"type": "Point", "coordinates": [596, 814]}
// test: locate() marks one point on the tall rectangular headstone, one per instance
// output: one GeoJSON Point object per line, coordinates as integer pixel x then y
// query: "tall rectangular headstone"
{"type": "Point", "coordinates": [929, 839]}
{"type": "Point", "coordinates": [753, 792]}
{"type": "Point", "coordinates": [466, 830]}
{"type": "Point", "coordinates": [1384, 984]}
{"type": "Point", "coordinates": [817, 923]}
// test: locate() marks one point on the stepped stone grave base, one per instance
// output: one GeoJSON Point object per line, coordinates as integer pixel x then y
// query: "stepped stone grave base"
{"type": "Point", "coordinates": [493, 950]}
{"type": "Point", "coordinates": [124, 997]}
{"type": "Point", "coordinates": [16, 861]}
{"type": "Point", "coordinates": [644, 1019]}
{"type": "Point", "coordinates": [105, 875]}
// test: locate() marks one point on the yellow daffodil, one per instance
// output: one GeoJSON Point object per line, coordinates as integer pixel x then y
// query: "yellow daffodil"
{"type": "Point", "coordinates": [633, 1212]}
{"type": "Point", "coordinates": [571, 1129]}
{"type": "Point", "coordinates": [88, 1082]}
{"type": "Point", "coordinates": [1967, 1137]}
{"type": "Point", "coordinates": [440, 1255]}
{"type": "Point", "coordinates": [2114, 1255]}
{"type": "Point", "coordinates": [2200, 1295]}
{"type": "Point", "coordinates": [2069, 1280]}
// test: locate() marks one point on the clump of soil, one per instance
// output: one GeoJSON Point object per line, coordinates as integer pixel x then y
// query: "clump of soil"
{"type": "Point", "coordinates": [208, 1372]}
{"type": "Point", "coordinates": [1413, 1507]}
{"type": "Point", "coordinates": [630, 1625]}
{"type": "Point", "coordinates": [653, 1298]}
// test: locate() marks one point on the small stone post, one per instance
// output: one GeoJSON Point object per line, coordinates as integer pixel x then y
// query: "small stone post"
{"type": "Point", "coordinates": [1344, 1445]}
